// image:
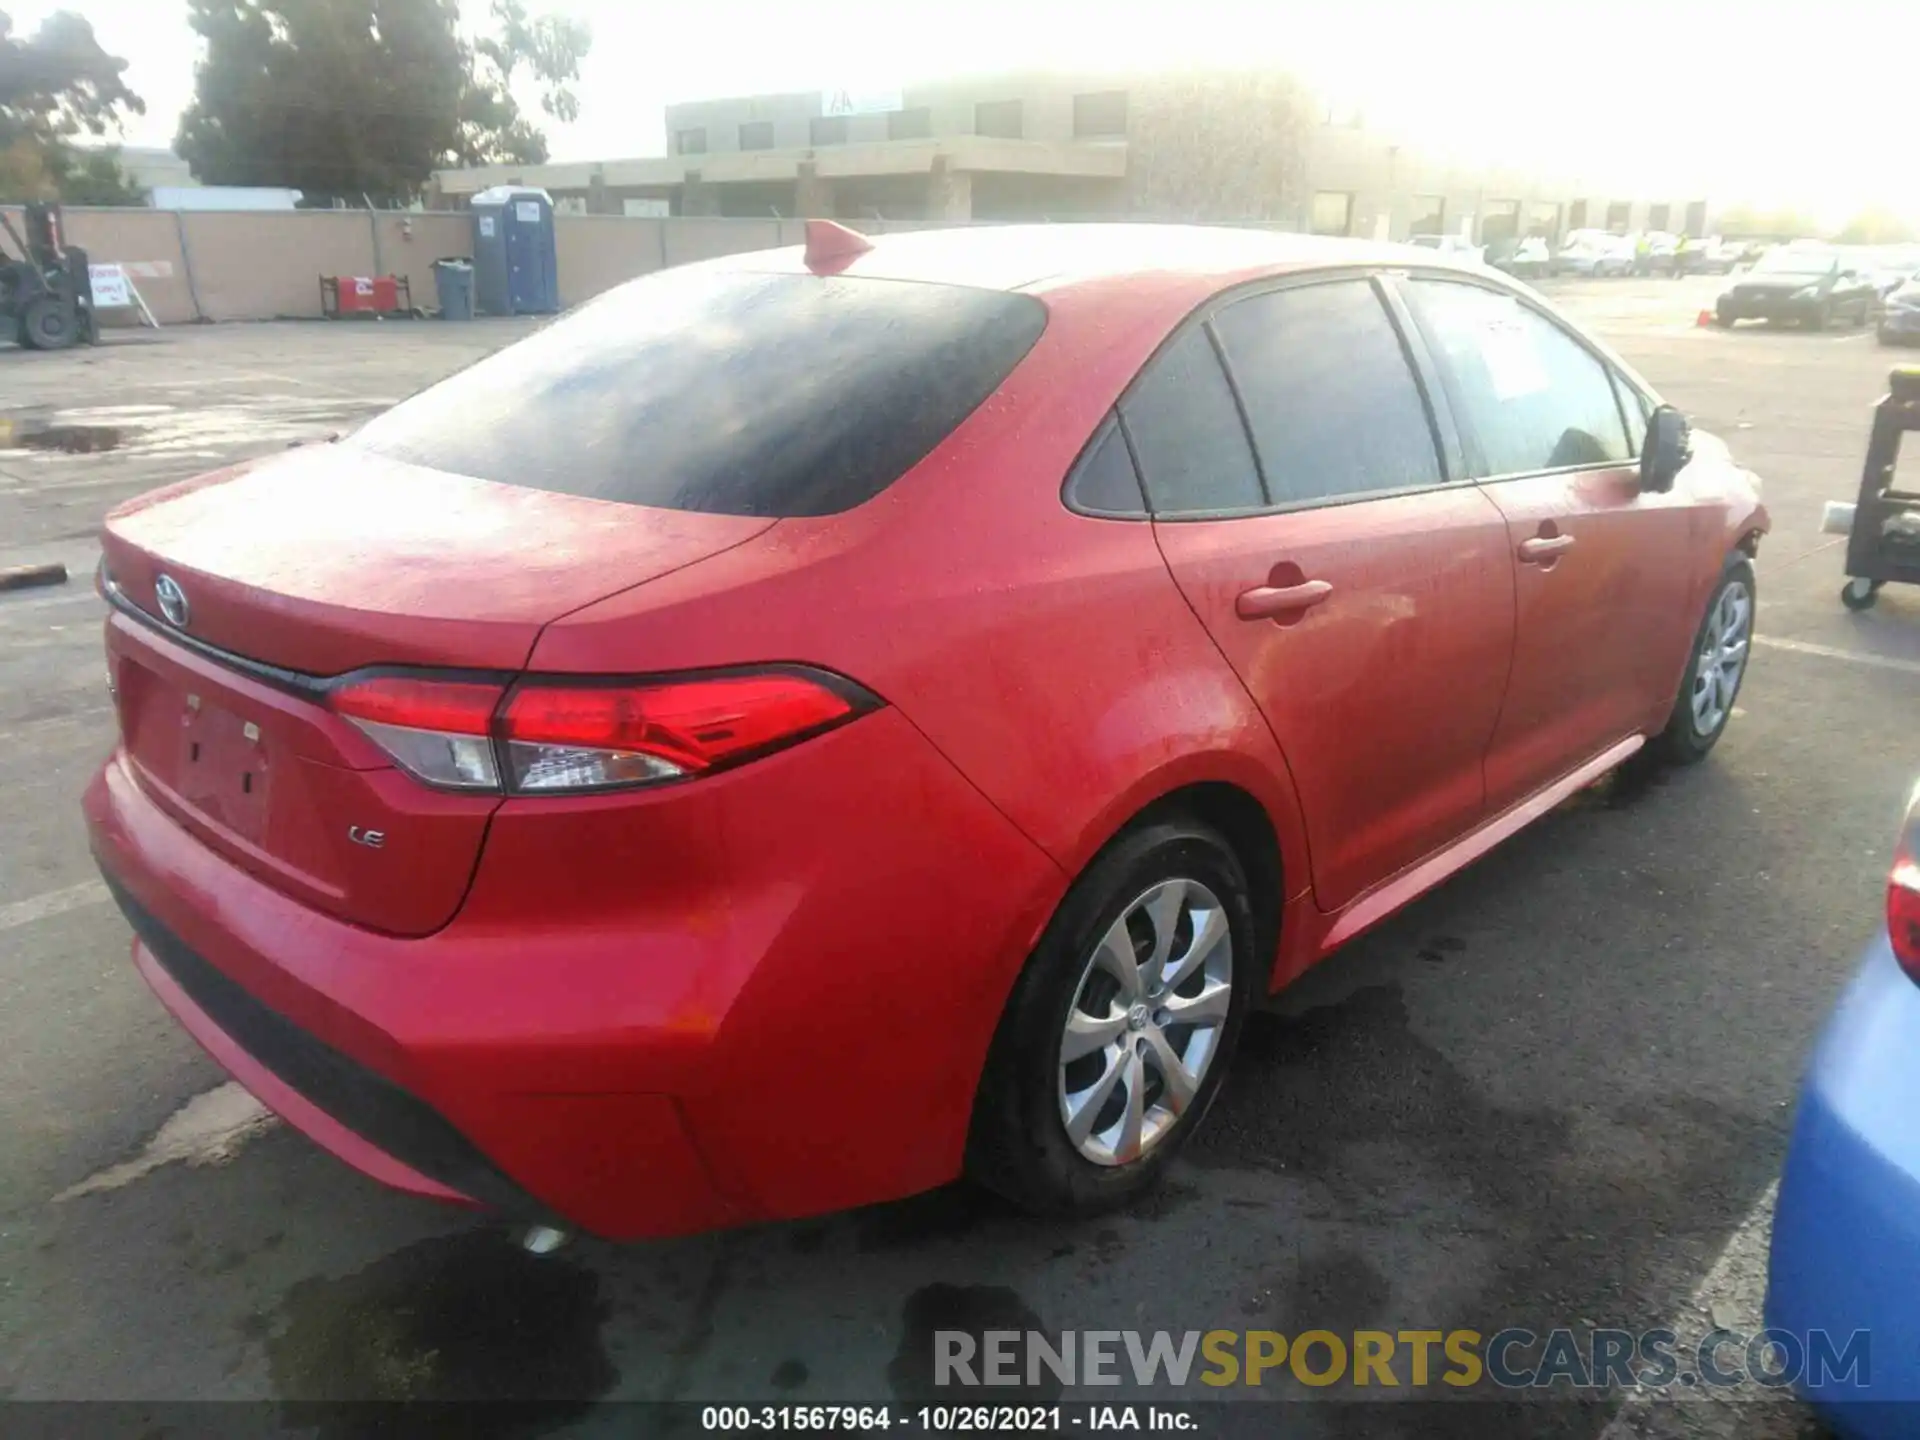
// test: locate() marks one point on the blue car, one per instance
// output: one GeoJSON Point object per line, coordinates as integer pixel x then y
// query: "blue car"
{"type": "Point", "coordinates": [1844, 1285]}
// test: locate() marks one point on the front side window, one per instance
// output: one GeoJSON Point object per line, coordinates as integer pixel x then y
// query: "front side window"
{"type": "Point", "coordinates": [827, 130]}
{"type": "Point", "coordinates": [1636, 407]}
{"type": "Point", "coordinates": [722, 391]}
{"type": "Point", "coordinates": [690, 142]}
{"type": "Point", "coordinates": [756, 135]}
{"type": "Point", "coordinates": [1332, 403]}
{"type": "Point", "coordinates": [1533, 396]}
{"type": "Point", "coordinates": [1186, 432]}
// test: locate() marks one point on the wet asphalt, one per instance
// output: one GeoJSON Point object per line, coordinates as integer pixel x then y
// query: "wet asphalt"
{"type": "Point", "coordinates": [1548, 1094]}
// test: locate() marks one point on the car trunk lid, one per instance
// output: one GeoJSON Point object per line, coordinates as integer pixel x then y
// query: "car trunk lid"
{"type": "Point", "coordinates": [316, 564]}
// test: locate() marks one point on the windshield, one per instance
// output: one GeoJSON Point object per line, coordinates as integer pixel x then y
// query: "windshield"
{"type": "Point", "coordinates": [723, 391]}
{"type": "Point", "coordinates": [1794, 262]}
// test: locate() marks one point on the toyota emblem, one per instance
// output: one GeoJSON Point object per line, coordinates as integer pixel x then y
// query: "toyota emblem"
{"type": "Point", "coordinates": [172, 600]}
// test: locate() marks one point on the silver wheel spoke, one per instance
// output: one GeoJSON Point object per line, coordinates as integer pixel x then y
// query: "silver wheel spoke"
{"type": "Point", "coordinates": [1181, 1083]}
{"type": "Point", "coordinates": [1209, 1007]}
{"type": "Point", "coordinates": [1163, 910]}
{"type": "Point", "coordinates": [1086, 1033]}
{"type": "Point", "coordinates": [1115, 956]}
{"type": "Point", "coordinates": [1210, 928]}
{"type": "Point", "coordinates": [1133, 1118]}
{"type": "Point", "coordinates": [1085, 1107]}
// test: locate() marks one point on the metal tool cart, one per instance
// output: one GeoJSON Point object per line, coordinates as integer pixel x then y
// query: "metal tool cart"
{"type": "Point", "coordinates": [1883, 526]}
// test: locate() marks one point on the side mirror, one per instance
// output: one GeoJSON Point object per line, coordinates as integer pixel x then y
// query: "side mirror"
{"type": "Point", "coordinates": [1668, 449]}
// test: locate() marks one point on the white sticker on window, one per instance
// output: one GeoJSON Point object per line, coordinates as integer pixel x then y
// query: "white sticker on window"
{"type": "Point", "coordinates": [486, 227]}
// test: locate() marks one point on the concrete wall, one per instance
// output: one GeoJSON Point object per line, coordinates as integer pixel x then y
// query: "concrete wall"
{"type": "Point", "coordinates": [237, 265]}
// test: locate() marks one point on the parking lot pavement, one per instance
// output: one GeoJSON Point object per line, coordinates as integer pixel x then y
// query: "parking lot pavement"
{"type": "Point", "coordinates": [1555, 1092]}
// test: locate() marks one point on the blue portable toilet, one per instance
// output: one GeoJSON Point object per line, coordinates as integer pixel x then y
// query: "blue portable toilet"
{"type": "Point", "coordinates": [515, 268]}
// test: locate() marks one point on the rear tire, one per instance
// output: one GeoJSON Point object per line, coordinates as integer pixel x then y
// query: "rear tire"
{"type": "Point", "coordinates": [1714, 673]}
{"type": "Point", "coordinates": [1173, 872]}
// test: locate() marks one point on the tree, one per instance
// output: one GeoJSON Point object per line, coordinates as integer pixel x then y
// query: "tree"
{"type": "Point", "coordinates": [56, 87]}
{"type": "Point", "coordinates": [1741, 222]}
{"type": "Point", "coordinates": [356, 99]}
{"type": "Point", "coordinates": [1876, 226]}
{"type": "Point", "coordinates": [549, 48]}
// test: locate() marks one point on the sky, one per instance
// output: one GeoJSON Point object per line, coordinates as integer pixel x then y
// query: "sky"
{"type": "Point", "coordinates": [1790, 103]}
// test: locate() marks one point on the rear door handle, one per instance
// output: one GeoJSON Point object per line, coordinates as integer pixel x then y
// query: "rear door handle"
{"type": "Point", "coordinates": [1266, 602]}
{"type": "Point", "coordinates": [1544, 547]}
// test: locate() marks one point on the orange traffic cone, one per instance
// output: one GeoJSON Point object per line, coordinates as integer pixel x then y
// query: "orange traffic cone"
{"type": "Point", "coordinates": [1703, 320]}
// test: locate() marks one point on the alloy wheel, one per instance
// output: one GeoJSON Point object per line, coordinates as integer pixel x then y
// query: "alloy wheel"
{"type": "Point", "coordinates": [1722, 658]}
{"type": "Point", "coordinates": [1146, 1022]}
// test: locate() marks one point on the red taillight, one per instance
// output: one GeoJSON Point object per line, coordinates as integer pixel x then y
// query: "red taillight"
{"type": "Point", "coordinates": [559, 735]}
{"type": "Point", "coordinates": [1903, 892]}
{"type": "Point", "coordinates": [460, 707]}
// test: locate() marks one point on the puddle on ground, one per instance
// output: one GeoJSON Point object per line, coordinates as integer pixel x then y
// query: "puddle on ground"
{"type": "Point", "coordinates": [473, 1335]}
{"type": "Point", "coordinates": [69, 439]}
{"type": "Point", "coordinates": [209, 432]}
{"type": "Point", "coordinates": [973, 1309]}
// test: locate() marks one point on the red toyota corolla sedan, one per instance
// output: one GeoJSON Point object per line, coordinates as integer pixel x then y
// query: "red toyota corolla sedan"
{"type": "Point", "coordinates": [807, 726]}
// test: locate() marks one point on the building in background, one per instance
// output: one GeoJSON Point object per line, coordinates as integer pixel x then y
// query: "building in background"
{"type": "Point", "coordinates": [154, 167]}
{"type": "Point", "coordinates": [1234, 146]}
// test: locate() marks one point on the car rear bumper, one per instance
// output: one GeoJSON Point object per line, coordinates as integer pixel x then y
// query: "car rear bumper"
{"type": "Point", "coordinates": [604, 1038]}
{"type": "Point", "coordinates": [1846, 1230]}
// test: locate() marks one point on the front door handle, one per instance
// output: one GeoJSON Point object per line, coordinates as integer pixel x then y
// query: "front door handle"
{"type": "Point", "coordinates": [1268, 602]}
{"type": "Point", "coordinates": [1544, 548]}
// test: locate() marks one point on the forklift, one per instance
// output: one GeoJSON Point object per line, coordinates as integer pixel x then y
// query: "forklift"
{"type": "Point", "coordinates": [46, 296]}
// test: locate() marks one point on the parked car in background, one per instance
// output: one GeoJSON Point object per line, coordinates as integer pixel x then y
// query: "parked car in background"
{"type": "Point", "coordinates": [1720, 256]}
{"type": "Point", "coordinates": [1899, 319]}
{"type": "Point", "coordinates": [662, 784]}
{"type": "Point", "coordinates": [1803, 285]}
{"type": "Point", "coordinates": [1455, 247]}
{"type": "Point", "coordinates": [1525, 259]}
{"type": "Point", "coordinates": [1594, 253]}
{"type": "Point", "coordinates": [1655, 255]}
{"type": "Point", "coordinates": [1845, 1269]}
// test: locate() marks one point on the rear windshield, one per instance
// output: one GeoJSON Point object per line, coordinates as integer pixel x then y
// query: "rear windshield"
{"type": "Point", "coordinates": [722, 391]}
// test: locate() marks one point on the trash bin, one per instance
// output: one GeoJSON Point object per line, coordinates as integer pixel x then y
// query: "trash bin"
{"type": "Point", "coordinates": [453, 279]}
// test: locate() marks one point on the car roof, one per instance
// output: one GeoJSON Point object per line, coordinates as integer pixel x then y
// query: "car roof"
{"type": "Point", "coordinates": [1054, 257]}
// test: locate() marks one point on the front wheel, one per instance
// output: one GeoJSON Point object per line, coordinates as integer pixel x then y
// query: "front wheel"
{"type": "Point", "coordinates": [48, 324]}
{"type": "Point", "coordinates": [1714, 673]}
{"type": "Point", "coordinates": [1118, 1032]}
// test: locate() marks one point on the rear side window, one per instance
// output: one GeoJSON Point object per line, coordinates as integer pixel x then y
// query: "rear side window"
{"type": "Point", "coordinates": [1535, 398]}
{"type": "Point", "coordinates": [724, 392]}
{"type": "Point", "coordinates": [1187, 434]}
{"type": "Point", "coordinates": [1105, 482]}
{"type": "Point", "coordinates": [1332, 402]}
